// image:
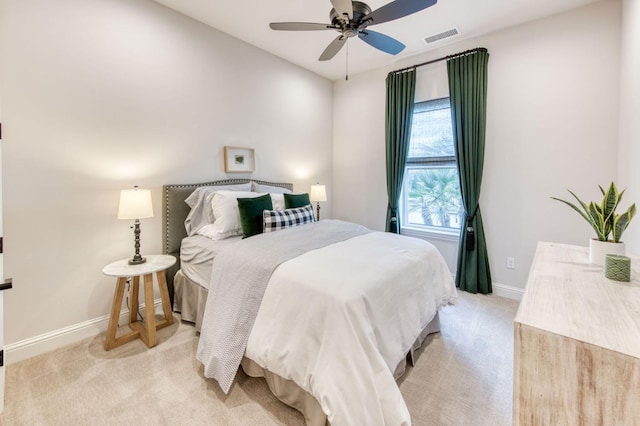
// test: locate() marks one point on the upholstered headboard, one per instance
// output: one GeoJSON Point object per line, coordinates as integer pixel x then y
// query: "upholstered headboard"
{"type": "Point", "coordinates": [175, 211]}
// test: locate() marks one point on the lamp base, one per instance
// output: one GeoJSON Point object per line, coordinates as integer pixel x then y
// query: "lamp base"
{"type": "Point", "coordinates": [137, 261]}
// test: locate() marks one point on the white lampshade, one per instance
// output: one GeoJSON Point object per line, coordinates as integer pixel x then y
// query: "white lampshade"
{"type": "Point", "coordinates": [135, 204]}
{"type": "Point", "coordinates": [318, 193]}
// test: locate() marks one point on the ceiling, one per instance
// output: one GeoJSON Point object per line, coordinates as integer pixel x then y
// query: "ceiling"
{"type": "Point", "coordinates": [248, 20]}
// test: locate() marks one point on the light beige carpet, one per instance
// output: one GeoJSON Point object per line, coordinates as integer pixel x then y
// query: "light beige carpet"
{"type": "Point", "coordinates": [462, 377]}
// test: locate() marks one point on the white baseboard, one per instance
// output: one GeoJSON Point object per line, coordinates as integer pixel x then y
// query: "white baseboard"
{"type": "Point", "coordinates": [503, 290]}
{"type": "Point", "coordinates": [507, 291]}
{"type": "Point", "coordinates": [55, 339]}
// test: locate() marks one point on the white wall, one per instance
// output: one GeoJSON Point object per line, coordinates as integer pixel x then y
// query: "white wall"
{"type": "Point", "coordinates": [100, 95]}
{"type": "Point", "coordinates": [552, 124]}
{"type": "Point", "coordinates": [629, 112]}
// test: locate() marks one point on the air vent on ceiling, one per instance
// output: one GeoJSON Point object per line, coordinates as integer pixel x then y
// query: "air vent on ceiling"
{"type": "Point", "coordinates": [440, 36]}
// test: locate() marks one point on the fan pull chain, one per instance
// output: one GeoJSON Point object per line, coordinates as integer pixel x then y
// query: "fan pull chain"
{"type": "Point", "coordinates": [346, 72]}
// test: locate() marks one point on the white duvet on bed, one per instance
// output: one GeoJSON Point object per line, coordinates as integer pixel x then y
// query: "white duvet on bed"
{"type": "Point", "coordinates": [338, 320]}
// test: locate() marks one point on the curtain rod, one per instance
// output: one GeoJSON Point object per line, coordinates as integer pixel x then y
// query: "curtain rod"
{"type": "Point", "coordinates": [455, 55]}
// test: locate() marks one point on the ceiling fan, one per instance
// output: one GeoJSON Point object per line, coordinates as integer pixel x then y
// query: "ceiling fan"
{"type": "Point", "coordinates": [351, 19]}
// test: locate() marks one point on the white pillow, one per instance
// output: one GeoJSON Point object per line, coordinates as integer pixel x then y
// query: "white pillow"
{"type": "Point", "coordinates": [224, 205]}
{"type": "Point", "coordinates": [278, 201]}
{"type": "Point", "coordinates": [200, 203]}
{"type": "Point", "coordinates": [269, 188]}
{"type": "Point", "coordinates": [210, 231]}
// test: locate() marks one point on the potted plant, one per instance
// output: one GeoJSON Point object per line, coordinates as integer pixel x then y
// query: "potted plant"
{"type": "Point", "coordinates": [605, 221]}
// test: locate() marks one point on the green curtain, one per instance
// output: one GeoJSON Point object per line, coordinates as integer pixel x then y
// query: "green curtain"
{"type": "Point", "coordinates": [398, 116]}
{"type": "Point", "coordinates": [468, 95]}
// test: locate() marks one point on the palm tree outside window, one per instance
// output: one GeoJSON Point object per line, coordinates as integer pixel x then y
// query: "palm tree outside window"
{"type": "Point", "coordinates": [431, 199]}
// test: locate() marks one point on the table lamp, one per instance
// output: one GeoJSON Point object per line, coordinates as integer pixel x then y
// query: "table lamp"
{"type": "Point", "coordinates": [318, 193]}
{"type": "Point", "coordinates": [135, 204]}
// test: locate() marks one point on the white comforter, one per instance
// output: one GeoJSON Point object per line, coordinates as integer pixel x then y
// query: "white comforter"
{"type": "Point", "coordinates": [339, 319]}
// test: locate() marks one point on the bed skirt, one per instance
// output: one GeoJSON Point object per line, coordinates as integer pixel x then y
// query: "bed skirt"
{"type": "Point", "coordinates": [190, 300]}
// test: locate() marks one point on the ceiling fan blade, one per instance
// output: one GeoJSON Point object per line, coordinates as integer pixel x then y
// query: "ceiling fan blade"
{"type": "Point", "coordinates": [397, 9]}
{"type": "Point", "coordinates": [343, 7]}
{"type": "Point", "coordinates": [333, 48]}
{"type": "Point", "coordinates": [300, 26]}
{"type": "Point", "coordinates": [381, 42]}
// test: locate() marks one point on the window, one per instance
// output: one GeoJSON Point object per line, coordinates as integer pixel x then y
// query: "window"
{"type": "Point", "coordinates": [431, 198]}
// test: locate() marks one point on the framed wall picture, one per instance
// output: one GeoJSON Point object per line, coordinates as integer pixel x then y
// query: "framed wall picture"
{"type": "Point", "coordinates": [238, 159]}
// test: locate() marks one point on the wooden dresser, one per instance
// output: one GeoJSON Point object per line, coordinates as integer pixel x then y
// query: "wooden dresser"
{"type": "Point", "coordinates": [576, 343]}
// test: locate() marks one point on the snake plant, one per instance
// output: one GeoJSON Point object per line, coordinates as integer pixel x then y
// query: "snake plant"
{"type": "Point", "coordinates": [602, 217]}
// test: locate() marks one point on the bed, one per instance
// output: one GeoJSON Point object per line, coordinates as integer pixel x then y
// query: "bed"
{"type": "Point", "coordinates": [325, 338]}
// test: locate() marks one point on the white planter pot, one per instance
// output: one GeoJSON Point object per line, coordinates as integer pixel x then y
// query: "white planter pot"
{"type": "Point", "coordinates": [599, 249]}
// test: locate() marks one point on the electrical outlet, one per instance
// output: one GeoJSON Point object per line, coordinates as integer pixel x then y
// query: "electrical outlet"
{"type": "Point", "coordinates": [511, 263]}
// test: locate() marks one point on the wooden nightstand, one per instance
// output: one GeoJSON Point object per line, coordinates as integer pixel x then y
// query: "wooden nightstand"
{"type": "Point", "coordinates": [123, 271]}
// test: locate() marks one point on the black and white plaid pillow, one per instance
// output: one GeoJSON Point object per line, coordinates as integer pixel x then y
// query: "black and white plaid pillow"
{"type": "Point", "coordinates": [275, 220]}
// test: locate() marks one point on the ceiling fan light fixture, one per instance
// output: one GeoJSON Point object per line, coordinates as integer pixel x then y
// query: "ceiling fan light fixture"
{"type": "Point", "coordinates": [351, 19]}
{"type": "Point", "coordinates": [360, 11]}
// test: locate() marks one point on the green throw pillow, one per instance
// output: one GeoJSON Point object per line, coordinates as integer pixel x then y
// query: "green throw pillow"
{"type": "Point", "coordinates": [251, 213]}
{"type": "Point", "coordinates": [291, 201]}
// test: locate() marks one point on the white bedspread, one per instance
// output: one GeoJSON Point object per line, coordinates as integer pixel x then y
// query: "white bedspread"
{"type": "Point", "coordinates": [239, 278]}
{"type": "Point", "coordinates": [337, 321]}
